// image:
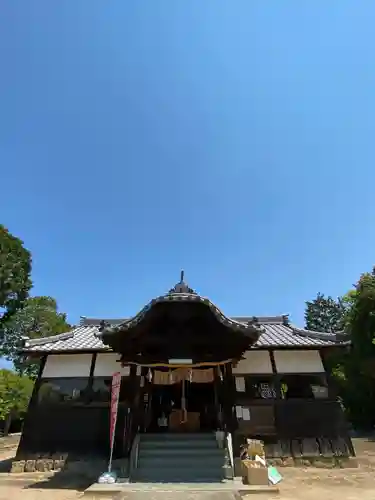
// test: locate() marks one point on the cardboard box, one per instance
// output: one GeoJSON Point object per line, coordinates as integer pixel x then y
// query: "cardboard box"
{"type": "Point", "coordinates": [254, 473]}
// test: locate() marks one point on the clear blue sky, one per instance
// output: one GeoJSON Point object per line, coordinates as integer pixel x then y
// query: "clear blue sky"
{"type": "Point", "coordinates": [232, 139]}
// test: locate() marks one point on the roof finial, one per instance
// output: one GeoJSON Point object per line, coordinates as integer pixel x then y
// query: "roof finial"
{"type": "Point", "coordinates": [181, 286]}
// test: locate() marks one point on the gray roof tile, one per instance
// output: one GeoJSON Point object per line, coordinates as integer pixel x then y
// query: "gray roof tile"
{"type": "Point", "coordinates": [279, 335]}
{"type": "Point", "coordinates": [276, 333]}
{"type": "Point", "coordinates": [80, 338]}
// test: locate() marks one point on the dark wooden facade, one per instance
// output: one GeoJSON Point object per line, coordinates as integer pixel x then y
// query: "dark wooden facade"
{"type": "Point", "coordinates": [83, 430]}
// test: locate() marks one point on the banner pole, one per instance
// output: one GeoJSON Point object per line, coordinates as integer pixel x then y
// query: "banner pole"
{"type": "Point", "coordinates": [110, 460]}
{"type": "Point", "coordinates": [115, 392]}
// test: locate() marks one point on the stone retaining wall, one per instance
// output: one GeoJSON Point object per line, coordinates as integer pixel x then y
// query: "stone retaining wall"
{"type": "Point", "coordinates": [317, 462]}
{"type": "Point", "coordinates": [89, 468]}
{"type": "Point", "coordinates": [93, 468]}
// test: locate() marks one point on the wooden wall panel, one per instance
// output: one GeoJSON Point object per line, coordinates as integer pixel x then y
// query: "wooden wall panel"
{"type": "Point", "coordinates": [303, 419]}
{"type": "Point", "coordinates": [73, 430]}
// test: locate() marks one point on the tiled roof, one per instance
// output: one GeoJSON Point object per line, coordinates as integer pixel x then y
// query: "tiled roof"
{"type": "Point", "coordinates": [181, 293]}
{"type": "Point", "coordinates": [280, 335]}
{"type": "Point", "coordinates": [276, 333]}
{"type": "Point", "coordinates": [80, 338]}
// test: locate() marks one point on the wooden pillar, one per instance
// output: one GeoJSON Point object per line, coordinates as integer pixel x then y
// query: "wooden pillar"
{"type": "Point", "coordinates": [134, 387]}
{"type": "Point", "coordinates": [229, 398]}
{"type": "Point", "coordinates": [38, 381]}
{"type": "Point", "coordinates": [218, 397]}
{"type": "Point", "coordinates": [132, 418]}
{"type": "Point", "coordinates": [91, 377]}
{"type": "Point", "coordinates": [144, 395]}
{"type": "Point", "coordinates": [148, 389]}
{"type": "Point", "coordinates": [333, 391]}
{"type": "Point", "coordinates": [276, 377]}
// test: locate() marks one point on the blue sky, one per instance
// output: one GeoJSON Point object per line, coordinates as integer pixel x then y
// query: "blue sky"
{"type": "Point", "coordinates": [232, 139]}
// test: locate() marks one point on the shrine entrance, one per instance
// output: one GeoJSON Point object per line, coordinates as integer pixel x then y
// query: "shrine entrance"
{"type": "Point", "coordinates": [182, 400]}
{"type": "Point", "coordinates": [184, 346]}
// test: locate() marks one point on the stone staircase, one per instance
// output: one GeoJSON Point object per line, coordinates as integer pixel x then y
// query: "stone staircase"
{"type": "Point", "coordinates": [181, 458]}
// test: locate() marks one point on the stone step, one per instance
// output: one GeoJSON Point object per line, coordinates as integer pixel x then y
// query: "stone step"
{"type": "Point", "coordinates": [182, 461]}
{"type": "Point", "coordinates": [173, 458]}
{"type": "Point", "coordinates": [177, 480]}
{"type": "Point", "coordinates": [170, 436]}
{"type": "Point", "coordinates": [178, 444]}
{"type": "Point", "coordinates": [151, 477]}
{"type": "Point", "coordinates": [176, 452]}
{"type": "Point", "coordinates": [190, 467]}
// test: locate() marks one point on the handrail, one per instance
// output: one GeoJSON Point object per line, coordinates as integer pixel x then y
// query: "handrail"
{"type": "Point", "coordinates": [133, 460]}
{"type": "Point", "coordinates": [230, 449]}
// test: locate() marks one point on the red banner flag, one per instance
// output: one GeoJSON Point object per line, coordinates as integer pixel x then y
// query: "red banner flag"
{"type": "Point", "coordinates": [115, 393]}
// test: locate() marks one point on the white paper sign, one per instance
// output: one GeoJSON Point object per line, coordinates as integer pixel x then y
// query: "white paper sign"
{"type": "Point", "coordinates": [246, 413]}
{"type": "Point", "coordinates": [240, 384]}
{"type": "Point", "coordinates": [239, 411]}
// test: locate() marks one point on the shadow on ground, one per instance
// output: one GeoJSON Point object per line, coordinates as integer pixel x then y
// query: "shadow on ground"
{"type": "Point", "coordinates": [64, 480]}
{"type": "Point", "coordinates": [6, 465]}
{"type": "Point", "coordinates": [74, 476]}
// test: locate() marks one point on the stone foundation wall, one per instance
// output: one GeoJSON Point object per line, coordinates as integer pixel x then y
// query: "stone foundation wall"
{"type": "Point", "coordinates": [317, 462]}
{"type": "Point", "coordinates": [84, 467]}
{"type": "Point", "coordinates": [93, 468]}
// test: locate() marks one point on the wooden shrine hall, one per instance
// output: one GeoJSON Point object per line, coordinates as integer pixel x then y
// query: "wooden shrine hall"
{"type": "Point", "coordinates": [186, 367]}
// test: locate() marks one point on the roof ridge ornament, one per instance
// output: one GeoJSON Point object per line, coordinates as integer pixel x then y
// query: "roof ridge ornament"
{"type": "Point", "coordinates": [182, 287]}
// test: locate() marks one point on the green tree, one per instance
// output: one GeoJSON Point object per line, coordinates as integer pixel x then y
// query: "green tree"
{"type": "Point", "coordinates": [325, 314]}
{"type": "Point", "coordinates": [38, 317]}
{"type": "Point", "coordinates": [15, 269]}
{"type": "Point", "coordinates": [15, 393]}
{"type": "Point", "coordinates": [360, 364]}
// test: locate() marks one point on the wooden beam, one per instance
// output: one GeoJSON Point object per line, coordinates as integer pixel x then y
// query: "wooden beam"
{"type": "Point", "coordinates": [331, 383]}
{"type": "Point", "coordinates": [276, 377]}
{"type": "Point", "coordinates": [91, 376]}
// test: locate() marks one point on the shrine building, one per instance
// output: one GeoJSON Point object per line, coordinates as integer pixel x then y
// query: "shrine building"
{"type": "Point", "coordinates": [186, 368]}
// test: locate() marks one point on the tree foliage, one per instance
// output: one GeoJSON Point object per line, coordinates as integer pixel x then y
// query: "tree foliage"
{"type": "Point", "coordinates": [325, 314]}
{"type": "Point", "coordinates": [353, 370]}
{"type": "Point", "coordinates": [38, 317]}
{"type": "Point", "coordinates": [360, 364]}
{"type": "Point", "coordinates": [15, 393]}
{"type": "Point", "coordinates": [15, 269]}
